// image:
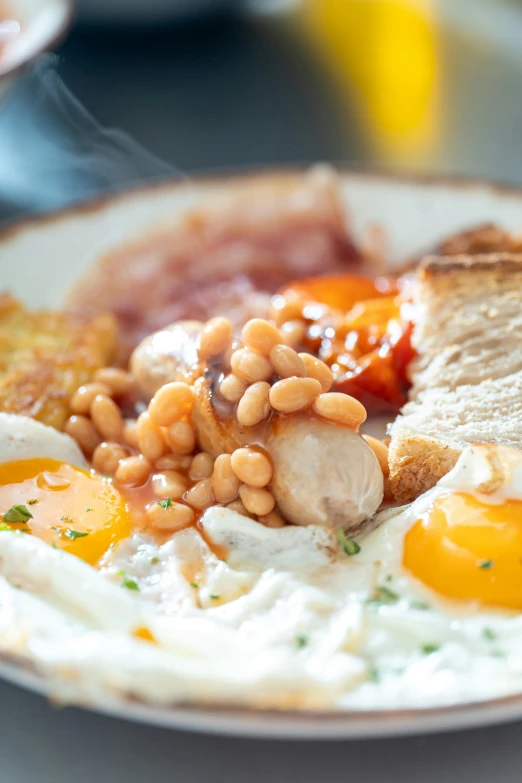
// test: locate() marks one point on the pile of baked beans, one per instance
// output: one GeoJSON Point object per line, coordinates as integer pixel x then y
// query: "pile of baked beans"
{"type": "Point", "coordinates": [262, 376]}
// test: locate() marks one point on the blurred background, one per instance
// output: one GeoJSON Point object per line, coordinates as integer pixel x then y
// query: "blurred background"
{"type": "Point", "coordinates": [415, 85]}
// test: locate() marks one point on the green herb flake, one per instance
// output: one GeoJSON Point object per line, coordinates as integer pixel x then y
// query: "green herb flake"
{"type": "Point", "coordinates": [348, 545]}
{"type": "Point", "coordinates": [215, 597]}
{"type": "Point", "coordinates": [73, 534]}
{"type": "Point", "coordinates": [488, 634]}
{"type": "Point", "coordinates": [130, 584]}
{"type": "Point", "coordinates": [32, 502]}
{"type": "Point", "coordinates": [3, 526]}
{"type": "Point", "coordinates": [301, 641]}
{"type": "Point", "coordinates": [383, 595]}
{"type": "Point", "coordinates": [422, 605]}
{"type": "Point", "coordinates": [154, 560]}
{"type": "Point", "coordinates": [17, 514]}
{"type": "Point", "coordinates": [194, 585]}
{"type": "Point", "coordinates": [428, 649]}
{"type": "Point", "coordinates": [87, 510]}
{"type": "Point", "coordinates": [67, 532]}
{"type": "Point", "coordinates": [165, 503]}
{"type": "Point", "coordinates": [485, 564]}
{"type": "Point", "coordinates": [374, 674]}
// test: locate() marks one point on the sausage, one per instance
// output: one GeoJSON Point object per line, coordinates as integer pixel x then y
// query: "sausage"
{"type": "Point", "coordinates": [323, 474]}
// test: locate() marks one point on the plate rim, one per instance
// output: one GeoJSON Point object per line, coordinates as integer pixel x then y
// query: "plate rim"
{"type": "Point", "coordinates": [217, 176]}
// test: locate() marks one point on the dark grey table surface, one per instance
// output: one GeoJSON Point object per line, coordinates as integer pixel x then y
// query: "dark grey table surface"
{"type": "Point", "coordinates": [228, 93]}
{"type": "Point", "coordinates": [40, 744]}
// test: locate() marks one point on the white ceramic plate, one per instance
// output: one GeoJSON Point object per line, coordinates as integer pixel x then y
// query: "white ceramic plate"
{"type": "Point", "coordinates": [39, 259]}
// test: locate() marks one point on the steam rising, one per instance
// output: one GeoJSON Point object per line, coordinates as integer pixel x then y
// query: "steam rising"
{"type": "Point", "coordinates": [55, 152]}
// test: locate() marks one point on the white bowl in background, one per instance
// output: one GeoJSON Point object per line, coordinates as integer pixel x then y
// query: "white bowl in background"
{"type": "Point", "coordinates": [42, 25]}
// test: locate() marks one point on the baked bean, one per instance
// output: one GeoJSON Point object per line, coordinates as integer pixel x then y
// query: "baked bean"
{"type": "Point", "coordinates": [293, 333]}
{"type": "Point", "coordinates": [286, 362]}
{"type": "Point", "coordinates": [134, 470]}
{"type": "Point", "coordinates": [285, 308]}
{"type": "Point", "coordinates": [254, 407]}
{"type": "Point", "coordinates": [239, 508]}
{"type": "Point", "coordinates": [171, 403]}
{"type": "Point", "coordinates": [294, 394]}
{"type": "Point", "coordinates": [130, 433]}
{"type": "Point", "coordinates": [257, 501]}
{"type": "Point", "coordinates": [201, 495]}
{"type": "Point", "coordinates": [107, 456]}
{"type": "Point", "coordinates": [260, 336]}
{"type": "Point", "coordinates": [225, 483]}
{"type": "Point", "coordinates": [250, 365]}
{"type": "Point", "coordinates": [84, 433]}
{"type": "Point", "coordinates": [317, 369]}
{"type": "Point", "coordinates": [169, 484]}
{"type": "Point", "coordinates": [118, 381]}
{"type": "Point", "coordinates": [106, 417]}
{"type": "Point", "coordinates": [201, 466]}
{"type": "Point", "coordinates": [173, 462]}
{"type": "Point", "coordinates": [272, 520]}
{"type": "Point", "coordinates": [181, 437]}
{"type": "Point", "coordinates": [232, 388]}
{"type": "Point", "coordinates": [215, 338]}
{"type": "Point", "coordinates": [175, 516]}
{"type": "Point", "coordinates": [380, 451]}
{"type": "Point", "coordinates": [341, 408]}
{"type": "Point", "coordinates": [252, 467]}
{"type": "Point", "coordinates": [82, 398]}
{"type": "Point", "coordinates": [150, 437]}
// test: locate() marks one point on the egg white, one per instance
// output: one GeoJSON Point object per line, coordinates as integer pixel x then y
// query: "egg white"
{"type": "Point", "coordinates": [286, 620]}
{"type": "Point", "coordinates": [24, 438]}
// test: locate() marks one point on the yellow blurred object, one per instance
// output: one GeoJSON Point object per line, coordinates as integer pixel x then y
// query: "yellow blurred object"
{"type": "Point", "coordinates": [384, 52]}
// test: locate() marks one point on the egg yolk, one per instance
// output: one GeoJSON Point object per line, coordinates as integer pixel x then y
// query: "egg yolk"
{"type": "Point", "coordinates": [70, 508]}
{"type": "Point", "coordinates": [466, 549]}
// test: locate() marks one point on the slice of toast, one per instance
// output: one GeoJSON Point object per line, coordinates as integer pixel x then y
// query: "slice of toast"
{"type": "Point", "coordinates": [467, 378]}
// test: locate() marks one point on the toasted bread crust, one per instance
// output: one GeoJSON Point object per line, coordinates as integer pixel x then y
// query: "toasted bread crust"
{"type": "Point", "coordinates": [416, 464]}
{"type": "Point", "coordinates": [433, 266]}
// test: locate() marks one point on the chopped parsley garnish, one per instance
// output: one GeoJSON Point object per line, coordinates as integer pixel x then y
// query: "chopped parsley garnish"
{"type": "Point", "coordinates": [428, 649]}
{"type": "Point", "coordinates": [129, 583]}
{"type": "Point", "coordinates": [485, 564]}
{"type": "Point", "coordinates": [420, 605]}
{"type": "Point", "coordinates": [68, 532]}
{"type": "Point", "coordinates": [87, 510]}
{"type": "Point", "coordinates": [165, 503]}
{"type": "Point", "coordinates": [374, 674]}
{"type": "Point", "coordinates": [349, 545]}
{"type": "Point", "coordinates": [389, 578]}
{"type": "Point", "coordinates": [215, 597]}
{"type": "Point", "coordinates": [17, 514]}
{"type": "Point", "coordinates": [301, 641]}
{"type": "Point", "coordinates": [383, 595]}
{"type": "Point", "coordinates": [32, 502]}
{"type": "Point", "coordinates": [194, 585]}
{"type": "Point", "coordinates": [154, 560]}
{"type": "Point", "coordinates": [488, 634]}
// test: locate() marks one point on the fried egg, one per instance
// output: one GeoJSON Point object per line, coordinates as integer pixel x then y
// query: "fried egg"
{"type": "Point", "coordinates": [47, 490]}
{"type": "Point", "coordinates": [423, 610]}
